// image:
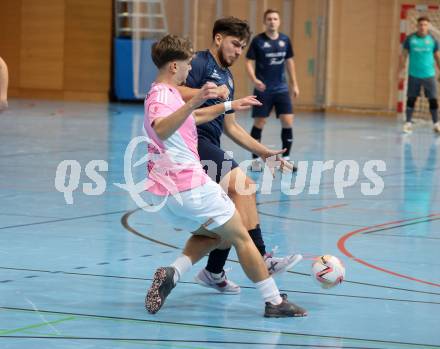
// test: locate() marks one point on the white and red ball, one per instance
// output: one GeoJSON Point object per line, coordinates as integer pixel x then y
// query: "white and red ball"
{"type": "Point", "coordinates": [328, 271]}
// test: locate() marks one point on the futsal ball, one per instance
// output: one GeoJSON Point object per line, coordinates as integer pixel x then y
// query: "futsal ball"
{"type": "Point", "coordinates": [328, 271]}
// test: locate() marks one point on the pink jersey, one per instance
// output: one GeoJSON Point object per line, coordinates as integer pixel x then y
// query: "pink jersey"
{"type": "Point", "coordinates": [174, 164]}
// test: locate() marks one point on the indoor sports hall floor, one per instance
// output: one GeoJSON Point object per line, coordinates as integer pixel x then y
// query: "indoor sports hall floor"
{"type": "Point", "coordinates": [75, 276]}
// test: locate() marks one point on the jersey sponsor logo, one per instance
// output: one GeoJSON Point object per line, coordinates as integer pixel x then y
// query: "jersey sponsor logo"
{"type": "Point", "coordinates": [422, 49]}
{"type": "Point", "coordinates": [266, 45]}
{"type": "Point", "coordinates": [281, 43]}
{"type": "Point", "coordinates": [215, 75]}
{"type": "Point", "coordinates": [275, 54]}
{"type": "Point", "coordinates": [274, 61]}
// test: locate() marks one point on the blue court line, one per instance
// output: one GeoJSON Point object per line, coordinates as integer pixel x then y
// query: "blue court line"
{"type": "Point", "coordinates": [26, 215]}
{"type": "Point", "coordinates": [244, 287]}
{"type": "Point", "coordinates": [309, 220]}
{"type": "Point", "coordinates": [161, 341]}
{"type": "Point", "coordinates": [401, 225]}
{"type": "Point", "coordinates": [63, 220]}
{"type": "Point", "coordinates": [126, 225]}
{"type": "Point", "coordinates": [40, 324]}
{"type": "Point", "coordinates": [237, 329]}
{"type": "Point", "coordinates": [394, 224]}
{"type": "Point", "coordinates": [409, 236]}
{"type": "Point", "coordinates": [327, 185]}
{"type": "Point", "coordinates": [46, 336]}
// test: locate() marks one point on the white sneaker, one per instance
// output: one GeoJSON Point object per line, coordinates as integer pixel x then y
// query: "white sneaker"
{"type": "Point", "coordinates": [257, 166]}
{"type": "Point", "coordinates": [407, 127]}
{"type": "Point", "coordinates": [437, 127]}
{"type": "Point", "coordinates": [280, 265]}
{"type": "Point", "coordinates": [219, 283]}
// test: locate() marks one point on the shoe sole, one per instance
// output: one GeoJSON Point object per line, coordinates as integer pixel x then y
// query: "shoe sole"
{"type": "Point", "coordinates": [153, 300]}
{"type": "Point", "coordinates": [298, 258]}
{"type": "Point", "coordinates": [204, 284]}
{"type": "Point", "coordinates": [282, 315]}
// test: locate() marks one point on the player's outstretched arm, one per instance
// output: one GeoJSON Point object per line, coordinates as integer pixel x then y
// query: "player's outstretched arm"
{"type": "Point", "coordinates": [207, 114]}
{"type": "Point", "coordinates": [188, 92]}
{"type": "Point", "coordinates": [168, 124]}
{"type": "Point", "coordinates": [239, 135]}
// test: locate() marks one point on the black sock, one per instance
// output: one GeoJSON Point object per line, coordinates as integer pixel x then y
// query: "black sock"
{"type": "Point", "coordinates": [434, 115]}
{"type": "Point", "coordinates": [256, 134]}
{"type": "Point", "coordinates": [409, 113]}
{"type": "Point", "coordinates": [217, 260]}
{"type": "Point", "coordinates": [287, 139]}
{"type": "Point", "coordinates": [258, 239]}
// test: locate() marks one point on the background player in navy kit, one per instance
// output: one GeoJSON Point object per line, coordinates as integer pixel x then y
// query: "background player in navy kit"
{"type": "Point", "coordinates": [230, 37]}
{"type": "Point", "coordinates": [272, 52]}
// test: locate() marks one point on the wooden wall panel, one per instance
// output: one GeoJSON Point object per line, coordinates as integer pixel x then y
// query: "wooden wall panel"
{"type": "Point", "coordinates": [363, 51]}
{"type": "Point", "coordinates": [10, 22]}
{"type": "Point", "coordinates": [174, 11]}
{"type": "Point", "coordinates": [355, 29]}
{"type": "Point", "coordinates": [204, 18]}
{"type": "Point", "coordinates": [305, 43]}
{"type": "Point", "coordinates": [87, 45]}
{"type": "Point", "coordinates": [42, 41]}
{"type": "Point", "coordinates": [62, 48]}
{"type": "Point", "coordinates": [57, 49]}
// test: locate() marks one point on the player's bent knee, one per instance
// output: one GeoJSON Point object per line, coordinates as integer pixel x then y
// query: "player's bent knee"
{"type": "Point", "coordinates": [241, 186]}
{"type": "Point", "coordinates": [411, 102]}
{"type": "Point", "coordinates": [260, 122]}
{"type": "Point", "coordinates": [286, 120]}
{"type": "Point", "coordinates": [240, 237]}
{"type": "Point", "coordinates": [233, 180]}
{"type": "Point", "coordinates": [250, 183]}
{"type": "Point", "coordinates": [433, 103]}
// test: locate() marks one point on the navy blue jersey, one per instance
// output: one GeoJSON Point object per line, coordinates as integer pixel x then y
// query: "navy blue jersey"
{"type": "Point", "coordinates": [204, 68]}
{"type": "Point", "coordinates": [269, 56]}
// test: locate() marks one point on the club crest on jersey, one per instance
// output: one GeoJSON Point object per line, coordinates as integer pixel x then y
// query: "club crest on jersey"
{"type": "Point", "coordinates": [281, 43]}
{"type": "Point", "coordinates": [266, 45]}
{"type": "Point", "coordinates": [215, 75]}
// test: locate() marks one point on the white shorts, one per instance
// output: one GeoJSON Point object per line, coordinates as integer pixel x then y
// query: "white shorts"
{"type": "Point", "coordinates": [208, 206]}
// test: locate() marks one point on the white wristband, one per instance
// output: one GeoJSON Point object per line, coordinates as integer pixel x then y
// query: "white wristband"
{"type": "Point", "coordinates": [228, 106]}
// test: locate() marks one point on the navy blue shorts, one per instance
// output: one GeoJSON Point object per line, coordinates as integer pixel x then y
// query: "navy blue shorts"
{"type": "Point", "coordinates": [280, 100]}
{"type": "Point", "coordinates": [415, 86]}
{"type": "Point", "coordinates": [216, 162]}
